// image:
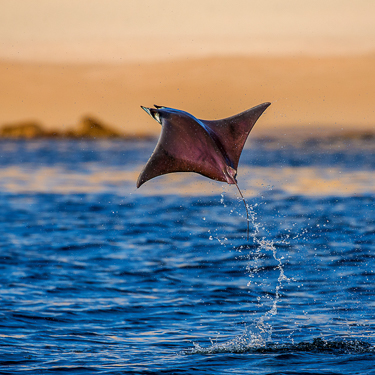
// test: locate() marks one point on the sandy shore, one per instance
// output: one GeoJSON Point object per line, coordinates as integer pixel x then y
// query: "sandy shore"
{"type": "Point", "coordinates": [306, 92]}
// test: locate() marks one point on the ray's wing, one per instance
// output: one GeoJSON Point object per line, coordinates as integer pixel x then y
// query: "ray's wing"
{"type": "Point", "coordinates": [184, 146]}
{"type": "Point", "coordinates": [231, 133]}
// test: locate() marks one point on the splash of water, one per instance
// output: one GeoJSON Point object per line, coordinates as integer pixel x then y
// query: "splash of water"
{"type": "Point", "coordinates": [318, 345]}
{"type": "Point", "coordinates": [265, 245]}
{"type": "Point", "coordinates": [260, 332]}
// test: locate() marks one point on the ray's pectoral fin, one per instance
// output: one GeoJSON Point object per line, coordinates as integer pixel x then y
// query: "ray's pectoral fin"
{"type": "Point", "coordinates": [160, 163]}
{"type": "Point", "coordinates": [232, 132]}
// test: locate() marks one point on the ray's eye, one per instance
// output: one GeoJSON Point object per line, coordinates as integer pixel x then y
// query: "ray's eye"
{"type": "Point", "coordinates": [157, 117]}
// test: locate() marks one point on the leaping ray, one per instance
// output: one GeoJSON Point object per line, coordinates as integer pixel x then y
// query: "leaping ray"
{"type": "Point", "coordinates": [211, 148]}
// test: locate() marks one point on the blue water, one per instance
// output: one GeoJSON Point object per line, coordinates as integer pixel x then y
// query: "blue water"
{"type": "Point", "coordinates": [98, 277]}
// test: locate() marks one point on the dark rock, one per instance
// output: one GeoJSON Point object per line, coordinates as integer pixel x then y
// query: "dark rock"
{"type": "Point", "coordinates": [92, 128]}
{"type": "Point", "coordinates": [87, 128]}
{"type": "Point", "coordinates": [358, 135]}
{"type": "Point", "coordinates": [27, 130]}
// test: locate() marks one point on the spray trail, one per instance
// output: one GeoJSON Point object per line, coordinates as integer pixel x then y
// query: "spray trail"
{"type": "Point", "coordinates": [260, 332]}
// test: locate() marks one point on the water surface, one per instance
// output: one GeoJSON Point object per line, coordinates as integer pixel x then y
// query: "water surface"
{"type": "Point", "coordinates": [99, 277]}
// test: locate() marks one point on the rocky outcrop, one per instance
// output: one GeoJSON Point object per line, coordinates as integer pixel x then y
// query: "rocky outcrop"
{"type": "Point", "coordinates": [27, 130]}
{"type": "Point", "coordinates": [358, 135]}
{"type": "Point", "coordinates": [92, 128]}
{"type": "Point", "coordinates": [88, 128]}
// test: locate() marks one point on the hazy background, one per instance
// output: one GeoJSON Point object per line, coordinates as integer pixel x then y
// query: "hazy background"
{"type": "Point", "coordinates": [314, 60]}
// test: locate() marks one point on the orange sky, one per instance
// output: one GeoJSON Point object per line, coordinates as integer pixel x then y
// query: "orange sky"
{"type": "Point", "coordinates": [62, 59]}
{"type": "Point", "coordinates": [117, 30]}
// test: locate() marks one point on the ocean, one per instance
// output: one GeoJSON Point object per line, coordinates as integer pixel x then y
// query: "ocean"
{"type": "Point", "coordinates": [99, 277]}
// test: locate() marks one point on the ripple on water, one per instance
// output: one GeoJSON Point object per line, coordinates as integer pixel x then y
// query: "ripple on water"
{"type": "Point", "coordinates": [98, 277]}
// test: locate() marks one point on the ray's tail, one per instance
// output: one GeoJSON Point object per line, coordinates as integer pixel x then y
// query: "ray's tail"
{"type": "Point", "coordinates": [247, 211]}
